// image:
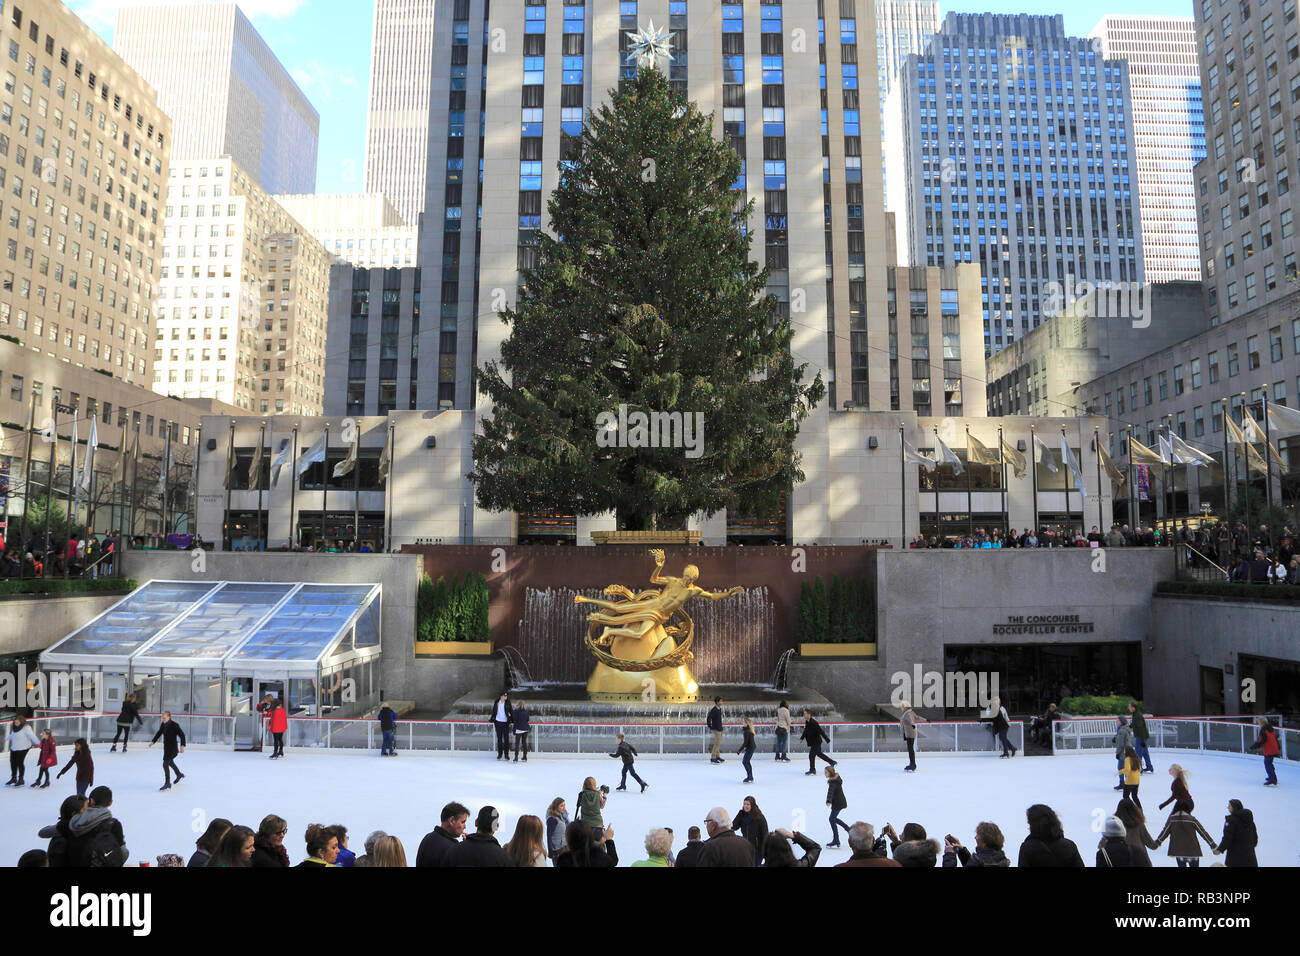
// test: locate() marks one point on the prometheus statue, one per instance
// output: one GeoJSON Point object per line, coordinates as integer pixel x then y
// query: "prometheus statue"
{"type": "Point", "coordinates": [639, 637]}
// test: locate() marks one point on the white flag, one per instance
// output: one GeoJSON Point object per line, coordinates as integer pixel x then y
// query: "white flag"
{"type": "Point", "coordinates": [386, 457]}
{"type": "Point", "coordinates": [1283, 420]}
{"type": "Point", "coordinates": [1042, 455]}
{"type": "Point", "coordinates": [91, 444]}
{"type": "Point", "coordinates": [165, 466]}
{"type": "Point", "coordinates": [255, 468]}
{"type": "Point", "coordinates": [1166, 450]}
{"type": "Point", "coordinates": [347, 464]}
{"type": "Point", "coordinates": [912, 456]}
{"type": "Point", "coordinates": [1185, 454]}
{"type": "Point", "coordinates": [312, 455]}
{"type": "Point", "coordinates": [1067, 456]}
{"type": "Point", "coordinates": [945, 456]}
{"type": "Point", "coordinates": [281, 459]}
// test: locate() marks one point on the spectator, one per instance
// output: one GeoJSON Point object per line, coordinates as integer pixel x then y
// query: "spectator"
{"type": "Point", "coordinates": [723, 847]}
{"type": "Point", "coordinates": [59, 835]}
{"type": "Point", "coordinates": [866, 849]}
{"type": "Point", "coordinates": [235, 849]}
{"type": "Point", "coordinates": [1135, 832]}
{"type": "Point", "coordinates": [438, 842]}
{"type": "Point", "coordinates": [85, 765]}
{"type": "Point", "coordinates": [346, 857]}
{"type": "Point", "coordinates": [521, 731]}
{"type": "Point", "coordinates": [322, 846]}
{"type": "Point", "coordinates": [527, 847]}
{"type": "Point", "coordinates": [97, 838]}
{"type": "Point", "coordinates": [777, 852]}
{"type": "Point", "coordinates": [586, 848]}
{"type": "Point", "coordinates": [1182, 830]}
{"type": "Point", "coordinates": [389, 852]}
{"type": "Point", "coordinates": [368, 858]}
{"type": "Point", "coordinates": [129, 714]}
{"type": "Point", "coordinates": [1239, 836]}
{"type": "Point", "coordinates": [988, 848]}
{"type": "Point", "coordinates": [268, 844]}
{"type": "Point", "coordinates": [46, 758]}
{"type": "Point", "coordinates": [690, 854]}
{"type": "Point", "coordinates": [1113, 850]}
{"type": "Point", "coordinates": [557, 821]}
{"type": "Point", "coordinates": [1046, 844]}
{"type": "Point", "coordinates": [33, 859]}
{"type": "Point", "coordinates": [480, 848]}
{"type": "Point", "coordinates": [917, 854]}
{"type": "Point", "coordinates": [657, 844]}
{"type": "Point", "coordinates": [753, 827]}
{"type": "Point", "coordinates": [207, 844]}
{"type": "Point", "coordinates": [590, 803]}
{"type": "Point", "coordinates": [1041, 729]}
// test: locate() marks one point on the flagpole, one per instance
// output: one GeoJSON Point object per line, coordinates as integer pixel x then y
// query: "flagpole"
{"type": "Point", "coordinates": [1268, 474]}
{"type": "Point", "coordinates": [72, 484]}
{"type": "Point", "coordinates": [324, 483]}
{"type": "Point", "coordinates": [356, 495]}
{"type": "Point", "coordinates": [135, 484]}
{"type": "Point", "coordinates": [1167, 494]}
{"type": "Point", "coordinates": [49, 484]}
{"type": "Point", "coordinates": [261, 444]}
{"type": "Point", "coordinates": [902, 486]}
{"type": "Point", "coordinates": [1033, 470]}
{"type": "Point", "coordinates": [1002, 463]}
{"type": "Point", "coordinates": [970, 511]}
{"type": "Point", "coordinates": [293, 491]}
{"type": "Point", "coordinates": [1065, 481]}
{"type": "Point", "coordinates": [388, 483]}
{"type": "Point", "coordinates": [1246, 454]}
{"type": "Point", "coordinates": [90, 505]}
{"type": "Point", "coordinates": [1096, 442]}
{"type": "Point", "coordinates": [1227, 499]}
{"type": "Point", "coordinates": [1132, 484]}
{"type": "Point", "coordinates": [192, 527]}
{"type": "Point", "coordinates": [27, 488]}
{"type": "Point", "coordinates": [227, 531]}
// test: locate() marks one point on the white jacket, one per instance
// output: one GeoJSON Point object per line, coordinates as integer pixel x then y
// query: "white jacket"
{"type": "Point", "coordinates": [783, 718]}
{"type": "Point", "coordinates": [22, 739]}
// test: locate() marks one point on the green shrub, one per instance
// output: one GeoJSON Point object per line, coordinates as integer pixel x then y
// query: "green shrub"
{"type": "Point", "coordinates": [1087, 706]}
{"type": "Point", "coordinates": [453, 611]}
{"type": "Point", "coordinates": [70, 586]}
{"type": "Point", "coordinates": [1251, 592]}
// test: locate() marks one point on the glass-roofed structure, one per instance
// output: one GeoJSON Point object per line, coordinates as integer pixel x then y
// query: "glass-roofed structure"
{"type": "Point", "coordinates": [203, 647]}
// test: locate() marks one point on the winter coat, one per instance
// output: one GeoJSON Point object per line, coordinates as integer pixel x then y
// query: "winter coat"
{"type": "Point", "coordinates": [588, 808]}
{"type": "Point", "coordinates": [1182, 830]}
{"type": "Point", "coordinates": [868, 858]}
{"type": "Point", "coordinates": [597, 858]}
{"type": "Point", "coordinates": [48, 758]}
{"type": "Point", "coordinates": [1123, 740]}
{"type": "Point", "coordinates": [130, 714]}
{"type": "Point", "coordinates": [908, 723]}
{"type": "Point", "coordinates": [690, 855]}
{"type": "Point", "coordinates": [279, 721]}
{"type": "Point", "coordinates": [625, 751]}
{"type": "Point", "coordinates": [387, 719]}
{"type": "Point", "coordinates": [813, 735]}
{"type": "Point", "coordinates": [1139, 841]}
{"type": "Point", "coordinates": [173, 737]}
{"type": "Point", "coordinates": [478, 850]}
{"type": "Point", "coordinates": [1132, 772]}
{"type": "Point", "coordinates": [1138, 724]}
{"type": "Point", "coordinates": [435, 847]}
{"type": "Point", "coordinates": [714, 721]}
{"type": "Point", "coordinates": [345, 858]}
{"type": "Point", "coordinates": [509, 711]}
{"type": "Point", "coordinates": [1178, 791]}
{"type": "Point", "coordinates": [783, 718]}
{"type": "Point", "coordinates": [748, 742]}
{"type": "Point", "coordinates": [812, 850]}
{"type": "Point", "coordinates": [200, 857]}
{"type": "Point", "coordinates": [85, 826]}
{"type": "Point", "coordinates": [753, 827]}
{"type": "Point", "coordinates": [555, 827]}
{"type": "Point", "coordinates": [22, 738]}
{"type": "Point", "coordinates": [1239, 838]}
{"type": "Point", "coordinates": [1000, 721]}
{"type": "Point", "coordinates": [60, 843]}
{"type": "Point", "coordinates": [835, 793]}
{"type": "Point", "coordinates": [80, 759]}
{"type": "Point", "coordinates": [983, 856]}
{"type": "Point", "coordinates": [1113, 852]}
{"type": "Point", "coordinates": [726, 850]}
{"type": "Point", "coordinates": [267, 855]}
{"type": "Point", "coordinates": [1266, 742]}
{"type": "Point", "coordinates": [521, 720]}
{"type": "Point", "coordinates": [1038, 852]}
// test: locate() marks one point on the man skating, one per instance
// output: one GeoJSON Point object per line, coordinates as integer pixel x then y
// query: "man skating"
{"type": "Point", "coordinates": [813, 736]}
{"type": "Point", "coordinates": [1140, 736]}
{"type": "Point", "coordinates": [628, 753]}
{"type": "Point", "coordinates": [173, 743]}
{"type": "Point", "coordinates": [715, 725]}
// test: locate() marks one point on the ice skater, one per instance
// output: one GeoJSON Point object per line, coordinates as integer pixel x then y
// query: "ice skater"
{"type": "Point", "coordinates": [1123, 740]}
{"type": "Point", "coordinates": [714, 723]}
{"type": "Point", "coordinates": [747, 748]}
{"type": "Point", "coordinates": [130, 714]}
{"type": "Point", "coordinates": [45, 759]}
{"type": "Point", "coordinates": [813, 736]}
{"type": "Point", "coordinates": [1131, 775]}
{"type": "Point", "coordinates": [836, 802]}
{"type": "Point", "coordinates": [173, 744]}
{"type": "Point", "coordinates": [84, 763]}
{"type": "Point", "coordinates": [20, 739]}
{"type": "Point", "coordinates": [1266, 744]}
{"type": "Point", "coordinates": [1141, 734]}
{"type": "Point", "coordinates": [907, 723]}
{"type": "Point", "coordinates": [522, 728]}
{"type": "Point", "coordinates": [1179, 795]}
{"type": "Point", "coordinates": [279, 725]}
{"type": "Point", "coordinates": [388, 731]}
{"type": "Point", "coordinates": [627, 752]}
{"type": "Point", "coordinates": [1182, 831]}
{"type": "Point", "coordinates": [783, 732]}
{"type": "Point", "coordinates": [502, 712]}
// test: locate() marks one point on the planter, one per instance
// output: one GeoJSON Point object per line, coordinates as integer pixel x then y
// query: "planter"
{"type": "Point", "coordinates": [452, 648]}
{"type": "Point", "coordinates": [837, 650]}
{"type": "Point", "coordinates": [646, 537]}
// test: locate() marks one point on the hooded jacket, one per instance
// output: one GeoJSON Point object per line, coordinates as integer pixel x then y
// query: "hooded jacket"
{"type": "Point", "coordinates": [983, 856]}
{"type": "Point", "coordinates": [1046, 845]}
{"type": "Point", "coordinates": [22, 738]}
{"type": "Point", "coordinates": [83, 827]}
{"type": "Point", "coordinates": [1182, 830]}
{"type": "Point", "coordinates": [1239, 838]}
{"type": "Point", "coordinates": [588, 808]}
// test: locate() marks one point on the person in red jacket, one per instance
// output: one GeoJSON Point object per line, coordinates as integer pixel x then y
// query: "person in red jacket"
{"type": "Point", "coordinates": [46, 759]}
{"type": "Point", "coordinates": [279, 726]}
{"type": "Point", "coordinates": [85, 765]}
{"type": "Point", "coordinates": [1266, 744]}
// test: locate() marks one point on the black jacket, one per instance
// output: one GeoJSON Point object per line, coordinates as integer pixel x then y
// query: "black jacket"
{"type": "Point", "coordinates": [753, 826]}
{"type": "Point", "coordinates": [813, 735]}
{"type": "Point", "coordinates": [597, 858]}
{"type": "Point", "coordinates": [387, 719]}
{"type": "Point", "coordinates": [435, 846]}
{"type": "Point", "coordinates": [715, 718]}
{"type": "Point", "coordinates": [835, 793]}
{"type": "Point", "coordinates": [60, 844]}
{"type": "Point", "coordinates": [80, 844]}
{"type": "Point", "coordinates": [726, 849]}
{"type": "Point", "coordinates": [1239, 839]}
{"type": "Point", "coordinates": [173, 737]}
{"type": "Point", "coordinates": [626, 751]}
{"type": "Point", "coordinates": [983, 856]}
{"type": "Point", "coordinates": [689, 856]}
{"type": "Point", "coordinates": [811, 851]}
{"type": "Point", "coordinates": [478, 849]}
{"type": "Point", "coordinates": [130, 713]}
{"type": "Point", "coordinates": [510, 711]}
{"type": "Point", "coordinates": [748, 742]}
{"type": "Point", "coordinates": [268, 856]}
{"type": "Point", "coordinates": [1043, 852]}
{"type": "Point", "coordinates": [1114, 852]}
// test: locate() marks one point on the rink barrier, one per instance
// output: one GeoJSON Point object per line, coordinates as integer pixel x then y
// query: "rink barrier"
{"type": "Point", "coordinates": [1173, 734]}
{"type": "Point", "coordinates": [210, 732]}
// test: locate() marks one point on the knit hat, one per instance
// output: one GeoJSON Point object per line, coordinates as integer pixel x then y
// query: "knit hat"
{"type": "Point", "coordinates": [170, 859]}
{"type": "Point", "coordinates": [1115, 827]}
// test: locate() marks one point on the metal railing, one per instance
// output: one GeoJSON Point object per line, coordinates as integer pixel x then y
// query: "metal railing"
{"type": "Point", "coordinates": [1195, 564]}
{"type": "Point", "coordinates": [1221, 735]}
{"type": "Point", "coordinates": [201, 730]}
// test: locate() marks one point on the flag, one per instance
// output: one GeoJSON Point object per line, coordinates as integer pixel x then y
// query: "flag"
{"type": "Point", "coordinates": [1116, 476]}
{"type": "Point", "coordinates": [255, 468]}
{"type": "Point", "coordinates": [281, 459]}
{"type": "Point", "coordinates": [123, 453]}
{"type": "Point", "coordinates": [1042, 455]}
{"type": "Point", "coordinates": [1015, 459]}
{"type": "Point", "coordinates": [944, 455]}
{"type": "Point", "coordinates": [980, 454]}
{"type": "Point", "coordinates": [1254, 433]}
{"type": "Point", "coordinates": [312, 455]}
{"type": "Point", "coordinates": [1283, 420]}
{"type": "Point", "coordinates": [347, 464]}
{"type": "Point", "coordinates": [1067, 456]}
{"type": "Point", "coordinates": [386, 457]}
{"type": "Point", "coordinates": [1253, 459]}
{"type": "Point", "coordinates": [165, 466]}
{"type": "Point", "coordinates": [87, 465]}
{"type": "Point", "coordinates": [912, 456]}
{"type": "Point", "coordinates": [1140, 454]}
{"type": "Point", "coordinates": [1166, 450]}
{"type": "Point", "coordinates": [231, 461]}
{"type": "Point", "coordinates": [1185, 454]}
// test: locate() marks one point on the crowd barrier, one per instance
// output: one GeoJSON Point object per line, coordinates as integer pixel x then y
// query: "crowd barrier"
{"type": "Point", "coordinates": [201, 730]}
{"type": "Point", "coordinates": [1220, 734]}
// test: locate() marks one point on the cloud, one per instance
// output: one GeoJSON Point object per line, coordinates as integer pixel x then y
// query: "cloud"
{"type": "Point", "coordinates": [100, 14]}
{"type": "Point", "coordinates": [321, 82]}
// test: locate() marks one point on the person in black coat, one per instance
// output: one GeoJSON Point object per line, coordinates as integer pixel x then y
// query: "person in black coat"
{"type": "Point", "coordinates": [130, 714]}
{"type": "Point", "coordinates": [59, 850]}
{"type": "Point", "coordinates": [714, 723]}
{"type": "Point", "coordinates": [724, 848]}
{"type": "Point", "coordinates": [586, 851]}
{"type": "Point", "coordinates": [1114, 849]}
{"type": "Point", "coordinates": [388, 729]}
{"type": "Point", "coordinates": [753, 827]}
{"type": "Point", "coordinates": [173, 744]}
{"type": "Point", "coordinates": [747, 748]}
{"type": "Point", "coordinates": [520, 719]}
{"type": "Point", "coordinates": [268, 844]}
{"type": "Point", "coordinates": [1239, 836]}
{"type": "Point", "coordinates": [690, 855]}
{"type": "Point", "coordinates": [627, 753]}
{"type": "Point", "coordinates": [1046, 844]}
{"type": "Point", "coordinates": [836, 802]}
{"type": "Point", "coordinates": [480, 848]}
{"type": "Point", "coordinates": [437, 843]}
{"type": "Point", "coordinates": [777, 852]}
{"type": "Point", "coordinates": [502, 715]}
{"type": "Point", "coordinates": [813, 736]}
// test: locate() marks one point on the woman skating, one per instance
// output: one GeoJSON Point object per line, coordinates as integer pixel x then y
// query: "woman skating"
{"type": "Point", "coordinates": [85, 765]}
{"type": "Point", "coordinates": [1179, 795]}
{"type": "Point", "coordinates": [279, 725]}
{"type": "Point", "coordinates": [836, 802]}
{"type": "Point", "coordinates": [1182, 830]}
{"type": "Point", "coordinates": [1136, 832]}
{"type": "Point", "coordinates": [20, 740]}
{"type": "Point", "coordinates": [1001, 723]}
{"type": "Point", "coordinates": [45, 759]}
{"type": "Point", "coordinates": [130, 714]}
{"type": "Point", "coordinates": [1131, 775]}
{"type": "Point", "coordinates": [747, 748]}
{"type": "Point", "coordinates": [590, 802]}
{"type": "Point", "coordinates": [783, 733]}
{"type": "Point", "coordinates": [752, 826]}
{"type": "Point", "coordinates": [1239, 836]}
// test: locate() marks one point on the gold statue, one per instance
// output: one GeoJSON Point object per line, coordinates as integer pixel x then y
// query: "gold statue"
{"type": "Point", "coordinates": [637, 653]}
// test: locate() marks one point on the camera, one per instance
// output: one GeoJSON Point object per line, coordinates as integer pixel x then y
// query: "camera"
{"type": "Point", "coordinates": [604, 788]}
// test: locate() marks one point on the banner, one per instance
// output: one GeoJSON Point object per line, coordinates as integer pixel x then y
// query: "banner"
{"type": "Point", "coordinates": [1142, 478]}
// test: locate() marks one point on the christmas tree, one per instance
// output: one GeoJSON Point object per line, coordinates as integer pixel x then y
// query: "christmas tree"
{"type": "Point", "coordinates": [643, 295]}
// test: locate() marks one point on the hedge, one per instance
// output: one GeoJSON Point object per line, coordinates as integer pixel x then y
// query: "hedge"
{"type": "Point", "coordinates": [452, 611]}
{"type": "Point", "coordinates": [70, 586]}
{"type": "Point", "coordinates": [1086, 706]}
{"type": "Point", "coordinates": [1288, 593]}
{"type": "Point", "coordinates": [842, 613]}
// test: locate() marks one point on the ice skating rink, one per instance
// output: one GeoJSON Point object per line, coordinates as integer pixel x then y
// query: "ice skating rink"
{"type": "Point", "coordinates": [403, 795]}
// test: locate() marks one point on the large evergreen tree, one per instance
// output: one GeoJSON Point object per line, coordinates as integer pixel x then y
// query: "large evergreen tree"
{"type": "Point", "coordinates": [644, 295]}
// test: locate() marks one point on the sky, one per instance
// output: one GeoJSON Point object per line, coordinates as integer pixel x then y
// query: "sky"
{"type": "Point", "coordinates": [325, 45]}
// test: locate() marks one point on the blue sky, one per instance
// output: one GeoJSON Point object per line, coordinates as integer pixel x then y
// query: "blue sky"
{"type": "Point", "coordinates": [325, 44]}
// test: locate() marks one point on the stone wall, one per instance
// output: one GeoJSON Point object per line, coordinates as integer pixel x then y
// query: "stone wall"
{"type": "Point", "coordinates": [30, 623]}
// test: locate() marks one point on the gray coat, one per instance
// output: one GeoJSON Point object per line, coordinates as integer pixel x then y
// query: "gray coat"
{"type": "Point", "coordinates": [908, 723]}
{"type": "Point", "coordinates": [1123, 740]}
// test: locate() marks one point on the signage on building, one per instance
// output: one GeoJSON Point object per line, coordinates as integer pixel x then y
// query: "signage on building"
{"type": "Point", "coordinates": [1044, 624]}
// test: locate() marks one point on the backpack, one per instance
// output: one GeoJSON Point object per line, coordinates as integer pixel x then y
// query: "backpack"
{"type": "Point", "coordinates": [102, 849]}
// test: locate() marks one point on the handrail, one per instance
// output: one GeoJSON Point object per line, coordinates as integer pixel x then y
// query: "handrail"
{"type": "Point", "coordinates": [1190, 550]}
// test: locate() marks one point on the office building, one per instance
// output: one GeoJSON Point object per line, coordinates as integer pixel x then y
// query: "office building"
{"type": "Point", "coordinates": [362, 229]}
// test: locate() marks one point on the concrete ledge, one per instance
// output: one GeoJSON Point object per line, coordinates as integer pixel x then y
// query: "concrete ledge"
{"type": "Point", "coordinates": [33, 622]}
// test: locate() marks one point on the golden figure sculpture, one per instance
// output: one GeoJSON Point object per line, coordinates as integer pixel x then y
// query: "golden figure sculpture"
{"type": "Point", "coordinates": [637, 641]}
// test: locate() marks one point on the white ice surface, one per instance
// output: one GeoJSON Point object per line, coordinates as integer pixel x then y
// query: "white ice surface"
{"type": "Point", "coordinates": [402, 796]}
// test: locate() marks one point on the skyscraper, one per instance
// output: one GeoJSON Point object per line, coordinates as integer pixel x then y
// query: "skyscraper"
{"type": "Point", "coordinates": [224, 89]}
{"type": "Point", "coordinates": [1014, 151]}
{"type": "Point", "coordinates": [398, 119]}
{"type": "Point", "coordinates": [1168, 134]}
{"type": "Point", "coordinates": [902, 27]}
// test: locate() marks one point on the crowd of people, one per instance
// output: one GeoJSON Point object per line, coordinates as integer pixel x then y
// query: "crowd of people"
{"type": "Point", "coordinates": [79, 555]}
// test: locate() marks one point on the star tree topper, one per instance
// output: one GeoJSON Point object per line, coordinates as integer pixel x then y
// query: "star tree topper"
{"type": "Point", "coordinates": [649, 45]}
